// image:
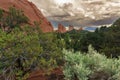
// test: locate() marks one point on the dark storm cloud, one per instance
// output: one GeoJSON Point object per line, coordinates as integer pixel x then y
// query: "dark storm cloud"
{"type": "Point", "coordinates": [80, 13]}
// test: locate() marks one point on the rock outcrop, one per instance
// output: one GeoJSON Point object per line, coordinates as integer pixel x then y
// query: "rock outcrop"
{"type": "Point", "coordinates": [61, 28]}
{"type": "Point", "coordinates": [29, 10]}
{"type": "Point", "coordinates": [80, 29]}
{"type": "Point", "coordinates": [70, 28]}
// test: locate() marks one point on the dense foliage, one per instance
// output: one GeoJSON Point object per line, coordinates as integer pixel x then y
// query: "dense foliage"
{"type": "Point", "coordinates": [72, 40]}
{"type": "Point", "coordinates": [90, 66]}
{"type": "Point", "coordinates": [11, 19]}
{"type": "Point", "coordinates": [24, 49]}
{"type": "Point", "coordinates": [104, 39]}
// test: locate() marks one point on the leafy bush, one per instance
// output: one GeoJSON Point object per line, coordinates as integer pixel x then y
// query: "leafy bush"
{"type": "Point", "coordinates": [14, 18]}
{"type": "Point", "coordinates": [83, 66]}
{"type": "Point", "coordinates": [26, 49]}
{"type": "Point", "coordinates": [23, 49]}
{"type": "Point", "coordinates": [104, 39]}
{"type": "Point", "coordinates": [19, 52]}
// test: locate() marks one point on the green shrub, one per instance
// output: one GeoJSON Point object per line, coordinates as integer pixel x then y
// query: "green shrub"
{"type": "Point", "coordinates": [14, 18]}
{"type": "Point", "coordinates": [27, 49]}
{"type": "Point", "coordinates": [83, 65]}
{"type": "Point", "coordinates": [19, 52]}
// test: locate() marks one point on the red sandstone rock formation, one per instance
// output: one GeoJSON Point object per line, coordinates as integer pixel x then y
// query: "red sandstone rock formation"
{"type": "Point", "coordinates": [56, 74]}
{"type": "Point", "coordinates": [30, 10]}
{"type": "Point", "coordinates": [80, 29]}
{"type": "Point", "coordinates": [61, 28]}
{"type": "Point", "coordinates": [70, 28]}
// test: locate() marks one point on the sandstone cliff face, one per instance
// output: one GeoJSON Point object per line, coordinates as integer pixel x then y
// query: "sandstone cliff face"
{"type": "Point", "coordinates": [80, 29]}
{"type": "Point", "coordinates": [61, 28]}
{"type": "Point", "coordinates": [70, 28]}
{"type": "Point", "coordinates": [30, 10]}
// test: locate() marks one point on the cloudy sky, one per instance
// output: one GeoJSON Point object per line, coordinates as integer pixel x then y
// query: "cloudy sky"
{"type": "Point", "coordinates": [80, 13]}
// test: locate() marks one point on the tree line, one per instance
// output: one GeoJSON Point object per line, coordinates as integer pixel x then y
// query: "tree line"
{"type": "Point", "coordinates": [104, 39]}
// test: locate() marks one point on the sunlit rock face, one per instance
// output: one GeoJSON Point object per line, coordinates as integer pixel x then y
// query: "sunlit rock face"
{"type": "Point", "coordinates": [30, 10]}
{"type": "Point", "coordinates": [61, 28]}
{"type": "Point", "coordinates": [80, 29]}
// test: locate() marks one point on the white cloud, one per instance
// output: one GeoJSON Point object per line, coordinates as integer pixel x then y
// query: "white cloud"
{"type": "Point", "coordinates": [80, 12]}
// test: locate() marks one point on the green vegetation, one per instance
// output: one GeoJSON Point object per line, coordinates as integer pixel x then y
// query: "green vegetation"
{"type": "Point", "coordinates": [14, 18]}
{"type": "Point", "coordinates": [26, 49]}
{"type": "Point", "coordinates": [86, 66]}
{"type": "Point", "coordinates": [73, 39]}
{"type": "Point", "coordinates": [104, 39]}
